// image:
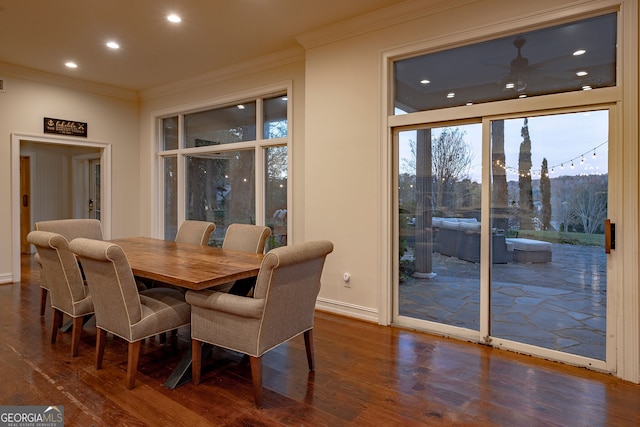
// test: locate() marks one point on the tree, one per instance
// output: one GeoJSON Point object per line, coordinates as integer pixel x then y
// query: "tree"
{"type": "Point", "coordinates": [545, 195]}
{"type": "Point", "coordinates": [525, 202]}
{"type": "Point", "coordinates": [589, 203]}
{"type": "Point", "coordinates": [451, 161]}
{"type": "Point", "coordinates": [499, 193]}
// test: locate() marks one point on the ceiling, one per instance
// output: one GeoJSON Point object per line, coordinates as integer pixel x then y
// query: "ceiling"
{"type": "Point", "coordinates": [43, 34]}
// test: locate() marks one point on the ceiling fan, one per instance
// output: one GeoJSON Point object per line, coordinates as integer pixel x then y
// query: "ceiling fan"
{"type": "Point", "coordinates": [518, 69]}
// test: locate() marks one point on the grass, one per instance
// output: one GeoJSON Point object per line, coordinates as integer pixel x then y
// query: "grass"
{"type": "Point", "coordinates": [561, 237]}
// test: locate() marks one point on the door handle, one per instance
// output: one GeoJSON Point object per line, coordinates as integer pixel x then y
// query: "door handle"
{"type": "Point", "coordinates": [609, 236]}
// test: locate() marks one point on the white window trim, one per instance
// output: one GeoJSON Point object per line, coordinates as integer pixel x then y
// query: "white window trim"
{"type": "Point", "coordinates": [258, 145]}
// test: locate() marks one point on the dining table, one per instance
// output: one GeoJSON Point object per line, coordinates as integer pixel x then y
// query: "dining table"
{"type": "Point", "coordinates": [185, 265]}
{"type": "Point", "coordinates": [192, 267]}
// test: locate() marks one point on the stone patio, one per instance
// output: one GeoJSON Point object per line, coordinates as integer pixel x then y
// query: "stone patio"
{"type": "Point", "coordinates": [559, 305]}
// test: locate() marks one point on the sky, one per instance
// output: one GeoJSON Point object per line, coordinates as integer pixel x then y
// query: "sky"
{"type": "Point", "coordinates": [562, 139]}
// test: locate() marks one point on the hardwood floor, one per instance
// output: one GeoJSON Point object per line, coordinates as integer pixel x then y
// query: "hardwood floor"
{"type": "Point", "coordinates": [365, 375]}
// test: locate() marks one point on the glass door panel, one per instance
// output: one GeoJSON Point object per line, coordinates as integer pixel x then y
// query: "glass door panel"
{"type": "Point", "coordinates": [549, 199]}
{"type": "Point", "coordinates": [439, 191]}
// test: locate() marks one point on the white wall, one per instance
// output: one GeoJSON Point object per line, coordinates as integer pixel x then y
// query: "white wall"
{"type": "Point", "coordinates": [112, 117]}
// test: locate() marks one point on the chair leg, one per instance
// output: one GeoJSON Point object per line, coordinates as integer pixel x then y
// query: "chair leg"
{"type": "Point", "coordinates": [308, 343]}
{"type": "Point", "coordinates": [256, 375]}
{"type": "Point", "coordinates": [101, 341]}
{"type": "Point", "coordinates": [132, 364]}
{"type": "Point", "coordinates": [55, 324]}
{"type": "Point", "coordinates": [196, 361]}
{"type": "Point", "coordinates": [75, 335]}
{"type": "Point", "coordinates": [43, 300]}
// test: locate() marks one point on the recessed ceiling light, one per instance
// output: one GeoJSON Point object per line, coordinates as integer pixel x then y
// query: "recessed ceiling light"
{"type": "Point", "coordinates": [425, 81]}
{"type": "Point", "coordinates": [174, 18]}
{"type": "Point", "coordinates": [113, 45]}
{"type": "Point", "coordinates": [579, 52]}
{"type": "Point", "coordinates": [70, 64]}
{"type": "Point", "coordinates": [581, 73]}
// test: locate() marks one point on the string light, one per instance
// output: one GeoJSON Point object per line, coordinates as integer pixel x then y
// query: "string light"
{"type": "Point", "coordinates": [552, 167]}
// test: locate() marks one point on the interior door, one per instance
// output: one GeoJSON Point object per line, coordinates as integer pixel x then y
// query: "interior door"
{"type": "Point", "coordinates": [25, 203]}
{"type": "Point", "coordinates": [94, 189]}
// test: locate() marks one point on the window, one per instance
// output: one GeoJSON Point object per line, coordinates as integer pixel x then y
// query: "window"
{"type": "Point", "coordinates": [217, 168]}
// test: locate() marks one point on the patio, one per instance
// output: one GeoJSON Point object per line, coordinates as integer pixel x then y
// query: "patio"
{"type": "Point", "coordinates": [560, 305]}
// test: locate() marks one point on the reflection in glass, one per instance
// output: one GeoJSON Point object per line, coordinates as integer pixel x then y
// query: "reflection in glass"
{"type": "Point", "coordinates": [220, 188]}
{"type": "Point", "coordinates": [226, 125]}
{"type": "Point", "coordinates": [439, 225]}
{"type": "Point", "coordinates": [275, 117]}
{"type": "Point", "coordinates": [276, 195]}
{"type": "Point", "coordinates": [549, 194]}
{"type": "Point", "coordinates": [170, 197]}
{"type": "Point", "coordinates": [170, 133]}
{"type": "Point", "coordinates": [523, 65]}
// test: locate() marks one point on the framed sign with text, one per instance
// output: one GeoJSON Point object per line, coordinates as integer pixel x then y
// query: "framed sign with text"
{"type": "Point", "coordinates": [65, 127]}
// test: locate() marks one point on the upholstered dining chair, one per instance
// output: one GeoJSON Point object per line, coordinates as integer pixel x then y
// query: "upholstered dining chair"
{"type": "Point", "coordinates": [282, 308]}
{"type": "Point", "coordinates": [120, 308]}
{"type": "Point", "coordinates": [195, 232]}
{"type": "Point", "coordinates": [69, 295]}
{"type": "Point", "coordinates": [69, 229]}
{"type": "Point", "coordinates": [244, 238]}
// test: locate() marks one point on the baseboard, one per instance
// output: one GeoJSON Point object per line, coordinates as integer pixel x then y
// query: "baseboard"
{"type": "Point", "coordinates": [6, 278]}
{"type": "Point", "coordinates": [349, 310]}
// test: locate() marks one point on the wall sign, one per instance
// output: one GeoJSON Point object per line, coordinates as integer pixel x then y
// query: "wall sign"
{"type": "Point", "coordinates": [65, 127]}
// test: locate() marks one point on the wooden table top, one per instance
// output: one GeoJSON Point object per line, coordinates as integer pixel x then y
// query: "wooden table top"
{"type": "Point", "coordinates": [188, 266]}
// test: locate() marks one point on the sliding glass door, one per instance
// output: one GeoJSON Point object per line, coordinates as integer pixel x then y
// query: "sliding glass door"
{"type": "Point", "coordinates": [529, 272]}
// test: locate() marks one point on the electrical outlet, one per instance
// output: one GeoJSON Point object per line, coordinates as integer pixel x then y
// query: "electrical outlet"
{"type": "Point", "coordinates": [347, 279]}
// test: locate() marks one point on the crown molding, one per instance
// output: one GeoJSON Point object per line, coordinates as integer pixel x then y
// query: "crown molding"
{"type": "Point", "coordinates": [392, 15]}
{"type": "Point", "coordinates": [263, 63]}
{"type": "Point", "coordinates": [9, 70]}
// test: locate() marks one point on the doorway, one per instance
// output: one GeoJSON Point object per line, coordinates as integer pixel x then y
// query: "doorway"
{"type": "Point", "coordinates": [510, 254]}
{"type": "Point", "coordinates": [52, 191]}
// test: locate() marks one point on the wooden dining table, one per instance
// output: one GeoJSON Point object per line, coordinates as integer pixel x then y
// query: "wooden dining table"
{"type": "Point", "coordinates": [188, 266]}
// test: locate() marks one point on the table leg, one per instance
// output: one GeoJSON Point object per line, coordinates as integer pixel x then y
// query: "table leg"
{"type": "Point", "coordinates": [182, 372]}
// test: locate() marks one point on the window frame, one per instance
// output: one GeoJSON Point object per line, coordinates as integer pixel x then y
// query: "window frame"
{"type": "Point", "coordinates": [259, 146]}
{"type": "Point", "coordinates": [623, 154]}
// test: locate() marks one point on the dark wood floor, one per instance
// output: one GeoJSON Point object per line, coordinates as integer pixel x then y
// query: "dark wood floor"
{"type": "Point", "coordinates": [365, 375]}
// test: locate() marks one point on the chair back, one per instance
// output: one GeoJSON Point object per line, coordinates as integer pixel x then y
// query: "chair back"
{"type": "Point", "coordinates": [64, 278]}
{"type": "Point", "coordinates": [72, 228]}
{"type": "Point", "coordinates": [195, 232]}
{"type": "Point", "coordinates": [112, 284]}
{"type": "Point", "coordinates": [289, 283]}
{"type": "Point", "coordinates": [246, 238]}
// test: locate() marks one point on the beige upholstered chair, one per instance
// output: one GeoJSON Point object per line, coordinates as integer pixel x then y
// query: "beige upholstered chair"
{"type": "Point", "coordinates": [69, 229]}
{"type": "Point", "coordinates": [119, 308]}
{"type": "Point", "coordinates": [244, 238]}
{"type": "Point", "coordinates": [195, 232]}
{"type": "Point", "coordinates": [282, 308]}
{"type": "Point", "coordinates": [69, 295]}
